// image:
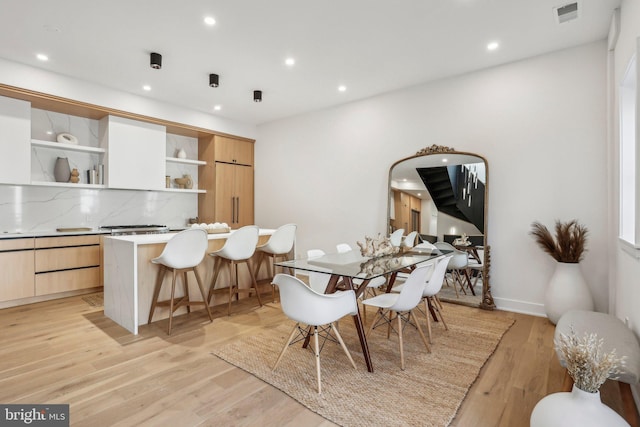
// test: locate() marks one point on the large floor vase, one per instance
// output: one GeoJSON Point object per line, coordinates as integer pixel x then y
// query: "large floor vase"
{"type": "Point", "coordinates": [575, 408]}
{"type": "Point", "coordinates": [566, 291]}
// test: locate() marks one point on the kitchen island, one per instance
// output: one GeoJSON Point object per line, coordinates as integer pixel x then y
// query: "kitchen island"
{"type": "Point", "coordinates": [129, 276]}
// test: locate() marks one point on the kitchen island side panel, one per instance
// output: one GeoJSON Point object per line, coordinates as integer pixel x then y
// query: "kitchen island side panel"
{"type": "Point", "coordinates": [120, 280]}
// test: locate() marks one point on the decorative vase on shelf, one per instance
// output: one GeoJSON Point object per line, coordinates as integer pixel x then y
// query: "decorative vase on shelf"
{"type": "Point", "coordinates": [575, 408]}
{"type": "Point", "coordinates": [566, 290]}
{"type": "Point", "coordinates": [181, 154]}
{"type": "Point", "coordinates": [61, 170]}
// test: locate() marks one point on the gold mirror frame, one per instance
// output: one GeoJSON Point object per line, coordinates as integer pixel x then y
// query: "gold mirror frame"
{"type": "Point", "coordinates": [487, 302]}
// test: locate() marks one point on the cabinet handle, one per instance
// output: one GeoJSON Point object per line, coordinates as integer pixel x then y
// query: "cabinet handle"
{"type": "Point", "coordinates": [233, 209]}
{"type": "Point", "coordinates": [237, 210]}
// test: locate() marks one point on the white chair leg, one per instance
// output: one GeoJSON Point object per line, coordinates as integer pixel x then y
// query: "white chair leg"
{"type": "Point", "coordinates": [286, 346]}
{"type": "Point", "coordinates": [344, 347]}
{"type": "Point", "coordinates": [317, 353]}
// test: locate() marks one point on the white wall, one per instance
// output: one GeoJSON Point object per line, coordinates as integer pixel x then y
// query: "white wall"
{"type": "Point", "coordinates": [540, 123]}
{"type": "Point", "coordinates": [627, 267]}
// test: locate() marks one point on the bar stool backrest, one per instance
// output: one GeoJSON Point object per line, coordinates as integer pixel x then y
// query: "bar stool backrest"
{"type": "Point", "coordinates": [241, 244]}
{"type": "Point", "coordinates": [184, 250]}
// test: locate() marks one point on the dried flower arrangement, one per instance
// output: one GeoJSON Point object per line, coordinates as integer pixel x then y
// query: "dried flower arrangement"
{"type": "Point", "coordinates": [586, 363]}
{"type": "Point", "coordinates": [569, 243]}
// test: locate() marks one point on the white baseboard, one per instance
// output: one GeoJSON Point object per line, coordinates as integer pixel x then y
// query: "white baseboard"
{"type": "Point", "coordinates": [518, 306]}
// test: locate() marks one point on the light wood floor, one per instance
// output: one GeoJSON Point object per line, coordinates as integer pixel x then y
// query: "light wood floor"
{"type": "Point", "coordinates": [67, 351]}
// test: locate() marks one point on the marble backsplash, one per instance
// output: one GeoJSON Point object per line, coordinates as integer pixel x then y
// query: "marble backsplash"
{"type": "Point", "coordinates": [34, 208]}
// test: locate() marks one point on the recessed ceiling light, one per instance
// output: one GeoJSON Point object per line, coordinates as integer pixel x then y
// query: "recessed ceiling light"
{"type": "Point", "coordinates": [290, 62]}
{"type": "Point", "coordinates": [493, 46]}
{"type": "Point", "coordinates": [209, 21]}
{"type": "Point", "coordinates": [146, 87]}
{"type": "Point", "coordinates": [342, 88]}
{"type": "Point", "coordinates": [42, 57]}
{"type": "Point", "coordinates": [444, 160]}
{"type": "Point", "coordinates": [217, 107]}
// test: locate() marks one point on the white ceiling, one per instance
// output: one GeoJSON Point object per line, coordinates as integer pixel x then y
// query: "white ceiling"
{"type": "Point", "coordinates": [370, 46]}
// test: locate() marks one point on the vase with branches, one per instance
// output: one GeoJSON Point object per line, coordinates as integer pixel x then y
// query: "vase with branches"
{"type": "Point", "coordinates": [567, 289]}
{"type": "Point", "coordinates": [589, 366]}
{"type": "Point", "coordinates": [569, 243]}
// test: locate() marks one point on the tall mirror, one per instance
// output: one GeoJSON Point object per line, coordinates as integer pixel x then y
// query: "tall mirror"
{"type": "Point", "coordinates": [442, 194]}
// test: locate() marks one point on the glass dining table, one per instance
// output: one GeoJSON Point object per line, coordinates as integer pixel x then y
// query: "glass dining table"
{"type": "Point", "coordinates": [344, 267]}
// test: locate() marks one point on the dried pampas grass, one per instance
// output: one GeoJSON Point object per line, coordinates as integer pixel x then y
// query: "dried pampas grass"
{"type": "Point", "coordinates": [586, 363]}
{"type": "Point", "coordinates": [569, 243]}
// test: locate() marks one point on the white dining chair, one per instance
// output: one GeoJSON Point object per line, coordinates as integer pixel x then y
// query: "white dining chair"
{"type": "Point", "coordinates": [318, 281]}
{"type": "Point", "coordinates": [373, 284]}
{"type": "Point", "coordinates": [182, 253]}
{"type": "Point", "coordinates": [278, 246]}
{"type": "Point", "coordinates": [409, 241]}
{"type": "Point", "coordinates": [402, 305]}
{"type": "Point", "coordinates": [238, 249]}
{"type": "Point", "coordinates": [432, 303]}
{"type": "Point", "coordinates": [396, 237]}
{"type": "Point", "coordinates": [305, 306]}
{"type": "Point", "coordinates": [458, 266]}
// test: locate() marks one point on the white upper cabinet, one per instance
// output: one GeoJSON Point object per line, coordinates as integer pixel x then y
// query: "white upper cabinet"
{"type": "Point", "coordinates": [136, 153]}
{"type": "Point", "coordinates": [15, 141]}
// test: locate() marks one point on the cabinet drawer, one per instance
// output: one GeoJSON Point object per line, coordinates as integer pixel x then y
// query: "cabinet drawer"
{"type": "Point", "coordinates": [16, 275]}
{"type": "Point", "coordinates": [60, 242]}
{"type": "Point", "coordinates": [69, 280]}
{"type": "Point", "coordinates": [64, 258]}
{"type": "Point", "coordinates": [16, 244]}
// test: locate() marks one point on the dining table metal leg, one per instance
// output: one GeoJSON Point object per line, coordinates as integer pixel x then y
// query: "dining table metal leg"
{"type": "Point", "coordinates": [357, 319]}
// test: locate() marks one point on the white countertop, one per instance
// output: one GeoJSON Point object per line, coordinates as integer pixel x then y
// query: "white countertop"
{"type": "Point", "coordinates": [150, 239]}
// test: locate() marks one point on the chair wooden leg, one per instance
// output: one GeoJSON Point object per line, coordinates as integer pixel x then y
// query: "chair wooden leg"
{"type": "Point", "coordinates": [373, 322]}
{"type": "Point", "coordinates": [216, 271]}
{"type": "Point", "coordinates": [400, 341]}
{"type": "Point", "coordinates": [185, 283]}
{"type": "Point", "coordinates": [628, 404]}
{"type": "Point", "coordinates": [439, 311]}
{"type": "Point", "coordinates": [255, 284]}
{"type": "Point", "coordinates": [286, 346]}
{"type": "Point", "coordinates": [316, 350]}
{"type": "Point", "coordinates": [173, 294]}
{"type": "Point", "coordinates": [426, 312]}
{"type": "Point", "coordinates": [204, 298]}
{"type": "Point", "coordinates": [233, 284]}
{"type": "Point", "coordinates": [344, 347]}
{"type": "Point", "coordinates": [156, 291]}
{"type": "Point", "coordinates": [424, 339]}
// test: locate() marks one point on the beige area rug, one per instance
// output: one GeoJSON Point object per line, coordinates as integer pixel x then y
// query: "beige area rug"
{"type": "Point", "coordinates": [428, 393]}
{"type": "Point", "coordinates": [94, 300]}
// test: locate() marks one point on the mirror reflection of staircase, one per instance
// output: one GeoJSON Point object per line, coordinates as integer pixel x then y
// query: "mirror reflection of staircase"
{"type": "Point", "coordinates": [456, 191]}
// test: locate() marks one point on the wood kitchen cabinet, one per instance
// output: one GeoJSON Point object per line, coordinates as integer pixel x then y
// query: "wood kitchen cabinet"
{"type": "Point", "coordinates": [234, 194]}
{"type": "Point", "coordinates": [67, 263]}
{"type": "Point", "coordinates": [16, 274]}
{"type": "Point", "coordinates": [407, 212]}
{"type": "Point", "coordinates": [228, 179]}
{"type": "Point", "coordinates": [231, 150]}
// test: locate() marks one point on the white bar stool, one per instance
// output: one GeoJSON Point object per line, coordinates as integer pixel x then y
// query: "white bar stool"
{"type": "Point", "coordinates": [278, 246]}
{"type": "Point", "coordinates": [182, 253]}
{"type": "Point", "coordinates": [238, 249]}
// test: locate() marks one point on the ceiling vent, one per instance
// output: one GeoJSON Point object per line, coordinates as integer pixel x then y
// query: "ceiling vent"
{"type": "Point", "coordinates": [566, 13]}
